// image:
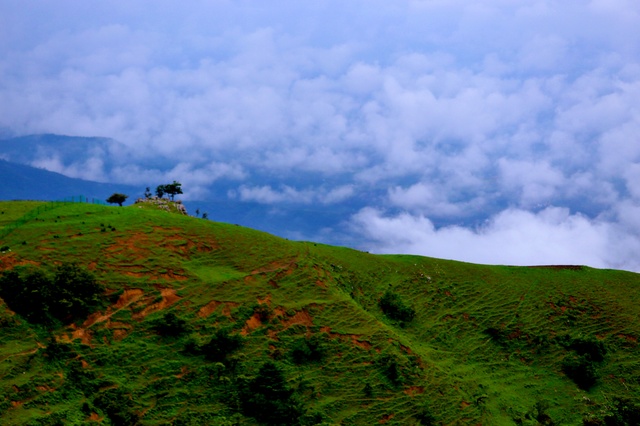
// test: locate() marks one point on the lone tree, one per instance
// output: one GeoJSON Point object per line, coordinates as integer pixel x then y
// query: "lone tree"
{"type": "Point", "coordinates": [160, 190]}
{"type": "Point", "coordinates": [117, 198]}
{"type": "Point", "coordinates": [173, 189]}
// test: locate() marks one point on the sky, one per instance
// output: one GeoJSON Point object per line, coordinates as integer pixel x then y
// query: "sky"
{"type": "Point", "coordinates": [496, 131]}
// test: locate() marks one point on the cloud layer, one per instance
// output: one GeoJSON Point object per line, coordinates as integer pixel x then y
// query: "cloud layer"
{"type": "Point", "coordinates": [477, 125]}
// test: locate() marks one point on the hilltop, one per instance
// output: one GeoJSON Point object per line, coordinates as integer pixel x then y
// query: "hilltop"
{"type": "Point", "coordinates": [202, 322]}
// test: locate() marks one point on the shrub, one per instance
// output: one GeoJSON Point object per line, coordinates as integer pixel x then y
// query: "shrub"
{"type": "Point", "coordinates": [117, 405]}
{"type": "Point", "coordinates": [269, 399]}
{"type": "Point", "coordinates": [590, 347]}
{"type": "Point", "coordinates": [425, 416]}
{"type": "Point", "coordinates": [391, 368]}
{"type": "Point", "coordinates": [58, 351]}
{"type": "Point", "coordinates": [624, 413]}
{"type": "Point", "coordinates": [307, 349]}
{"type": "Point", "coordinates": [581, 369]}
{"type": "Point", "coordinates": [221, 345]}
{"type": "Point", "coordinates": [395, 308]}
{"type": "Point", "coordinates": [71, 293]}
{"type": "Point", "coordinates": [581, 366]}
{"type": "Point", "coordinates": [170, 325]}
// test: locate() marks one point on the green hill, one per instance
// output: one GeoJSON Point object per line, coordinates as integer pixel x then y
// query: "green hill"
{"type": "Point", "coordinates": [211, 323]}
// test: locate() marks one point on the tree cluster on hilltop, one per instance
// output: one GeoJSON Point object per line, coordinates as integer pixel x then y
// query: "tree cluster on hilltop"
{"type": "Point", "coordinates": [171, 189]}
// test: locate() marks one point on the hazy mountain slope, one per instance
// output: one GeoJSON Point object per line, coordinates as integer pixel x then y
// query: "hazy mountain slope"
{"type": "Point", "coordinates": [66, 150]}
{"type": "Point", "coordinates": [487, 344]}
{"type": "Point", "coordinates": [30, 183]}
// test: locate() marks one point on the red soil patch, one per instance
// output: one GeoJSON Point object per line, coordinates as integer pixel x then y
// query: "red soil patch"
{"type": "Point", "coordinates": [321, 284]}
{"type": "Point", "coordinates": [94, 417]}
{"type": "Point", "coordinates": [82, 334]}
{"type": "Point", "coordinates": [301, 317]}
{"type": "Point", "coordinates": [348, 337]}
{"type": "Point", "coordinates": [464, 405]}
{"type": "Point", "coordinates": [208, 309]}
{"type": "Point", "coordinates": [272, 335]}
{"type": "Point", "coordinates": [386, 418]}
{"type": "Point", "coordinates": [360, 343]}
{"type": "Point", "coordinates": [184, 370]}
{"type": "Point", "coordinates": [167, 276]}
{"type": "Point", "coordinates": [133, 274]}
{"type": "Point", "coordinates": [272, 267]}
{"type": "Point", "coordinates": [169, 297]}
{"type": "Point", "coordinates": [8, 261]}
{"type": "Point", "coordinates": [414, 390]}
{"type": "Point", "coordinates": [265, 301]}
{"type": "Point", "coordinates": [226, 311]}
{"type": "Point", "coordinates": [128, 297]}
{"type": "Point", "coordinates": [134, 245]}
{"type": "Point", "coordinates": [117, 324]}
{"type": "Point", "coordinates": [177, 243]}
{"type": "Point", "coordinates": [119, 334]}
{"type": "Point", "coordinates": [288, 271]}
{"type": "Point", "coordinates": [282, 268]}
{"type": "Point", "coordinates": [628, 338]}
{"type": "Point", "coordinates": [251, 324]}
{"type": "Point", "coordinates": [171, 275]}
{"type": "Point", "coordinates": [84, 363]}
{"type": "Point", "coordinates": [406, 349]}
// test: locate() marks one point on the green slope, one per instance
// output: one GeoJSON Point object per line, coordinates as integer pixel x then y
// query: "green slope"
{"type": "Point", "coordinates": [488, 344]}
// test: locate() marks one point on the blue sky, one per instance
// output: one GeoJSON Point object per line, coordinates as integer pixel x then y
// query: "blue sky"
{"type": "Point", "coordinates": [497, 131]}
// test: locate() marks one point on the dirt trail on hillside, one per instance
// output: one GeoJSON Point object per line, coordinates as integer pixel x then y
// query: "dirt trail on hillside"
{"type": "Point", "coordinates": [169, 297]}
{"type": "Point", "coordinates": [126, 299]}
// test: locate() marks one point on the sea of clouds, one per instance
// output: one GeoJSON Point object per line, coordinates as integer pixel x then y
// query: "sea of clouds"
{"type": "Point", "coordinates": [494, 131]}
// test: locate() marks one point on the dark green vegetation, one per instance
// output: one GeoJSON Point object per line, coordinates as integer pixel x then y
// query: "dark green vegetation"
{"type": "Point", "coordinates": [210, 323]}
{"type": "Point", "coordinates": [117, 198]}
{"type": "Point", "coordinates": [171, 189]}
{"type": "Point", "coordinates": [71, 293]}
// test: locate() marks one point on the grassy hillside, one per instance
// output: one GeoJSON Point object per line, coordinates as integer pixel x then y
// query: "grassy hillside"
{"type": "Point", "coordinates": [212, 323]}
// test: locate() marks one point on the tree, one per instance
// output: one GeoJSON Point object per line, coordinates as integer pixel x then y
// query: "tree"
{"type": "Point", "coordinates": [160, 190]}
{"type": "Point", "coordinates": [173, 189]}
{"type": "Point", "coordinates": [147, 193]}
{"type": "Point", "coordinates": [117, 198]}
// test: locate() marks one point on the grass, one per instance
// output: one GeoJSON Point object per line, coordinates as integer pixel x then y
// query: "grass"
{"type": "Point", "coordinates": [486, 345]}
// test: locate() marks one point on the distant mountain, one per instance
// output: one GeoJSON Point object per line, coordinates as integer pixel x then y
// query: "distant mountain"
{"type": "Point", "coordinates": [29, 183]}
{"type": "Point", "coordinates": [66, 149]}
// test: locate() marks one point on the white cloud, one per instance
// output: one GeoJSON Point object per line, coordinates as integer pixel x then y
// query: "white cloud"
{"type": "Point", "coordinates": [512, 237]}
{"type": "Point", "coordinates": [285, 194]}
